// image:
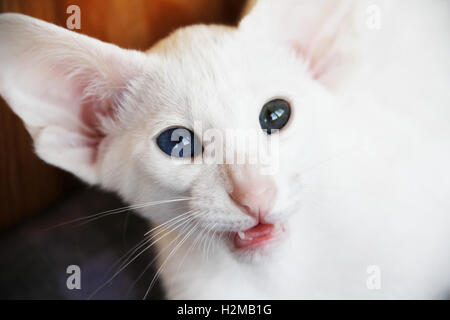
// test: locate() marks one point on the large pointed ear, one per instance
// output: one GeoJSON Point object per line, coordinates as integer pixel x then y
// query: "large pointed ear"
{"type": "Point", "coordinates": [324, 33]}
{"type": "Point", "coordinates": [64, 86]}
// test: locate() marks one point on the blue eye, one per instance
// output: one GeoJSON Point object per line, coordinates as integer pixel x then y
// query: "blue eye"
{"type": "Point", "coordinates": [179, 142]}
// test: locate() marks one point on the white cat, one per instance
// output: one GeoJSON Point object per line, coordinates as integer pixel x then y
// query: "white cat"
{"type": "Point", "coordinates": [359, 204]}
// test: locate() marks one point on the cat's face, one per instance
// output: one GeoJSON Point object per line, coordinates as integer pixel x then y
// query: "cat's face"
{"type": "Point", "coordinates": [217, 82]}
{"type": "Point", "coordinates": [107, 115]}
{"type": "Point", "coordinates": [221, 81]}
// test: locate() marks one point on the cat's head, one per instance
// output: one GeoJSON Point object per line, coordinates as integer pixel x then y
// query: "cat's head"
{"type": "Point", "coordinates": [109, 115]}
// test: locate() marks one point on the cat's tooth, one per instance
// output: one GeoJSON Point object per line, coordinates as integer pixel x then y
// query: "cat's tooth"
{"type": "Point", "coordinates": [241, 235]}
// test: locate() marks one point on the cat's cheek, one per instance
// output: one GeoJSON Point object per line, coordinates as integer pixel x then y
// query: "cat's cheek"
{"type": "Point", "coordinates": [169, 173]}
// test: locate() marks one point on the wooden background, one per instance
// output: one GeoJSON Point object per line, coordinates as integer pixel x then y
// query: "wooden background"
{"type": "Point", "coordinates": [28, 185]}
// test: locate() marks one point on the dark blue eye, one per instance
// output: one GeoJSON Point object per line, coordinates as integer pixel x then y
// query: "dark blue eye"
{"type": "Point", "coordinates": [179, 142]}
{"type": "Point", "coordinates": [274, 115]}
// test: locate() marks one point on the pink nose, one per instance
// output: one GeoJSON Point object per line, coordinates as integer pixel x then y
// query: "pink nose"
{"type": "Point", "coordinates": [253, 192]}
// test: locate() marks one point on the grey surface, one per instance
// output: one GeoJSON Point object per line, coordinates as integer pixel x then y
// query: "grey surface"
{"type": "Point", "coordinates": [34, 258]}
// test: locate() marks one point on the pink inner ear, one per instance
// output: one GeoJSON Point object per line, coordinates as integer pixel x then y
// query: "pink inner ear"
{"type": "Point", "coordinates": [320, 69]}
{"type": "Point", "coordinates": [313, 30]}
{"type": "Point", "coordinates": [97, 105]}
{"type": "Point", "coordinates": [319, 65]}
{"type": "Point", "coordinates": [317, 69]}
{"type": "Point", "coordinates": [92, 130]}
{"type": "Point", "coordinates": [91, 115]}
{"type": "Point", "coordinates": [299, 50]}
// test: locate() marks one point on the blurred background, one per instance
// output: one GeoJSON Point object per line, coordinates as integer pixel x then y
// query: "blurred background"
{"type": "Point", "coordinates": [35, 196]}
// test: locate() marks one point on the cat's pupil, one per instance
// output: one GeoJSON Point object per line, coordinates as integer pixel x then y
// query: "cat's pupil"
{"type": "Point", "coordinates": [274, 115]}
{"type": "Point", "coordinates": [179, 142]}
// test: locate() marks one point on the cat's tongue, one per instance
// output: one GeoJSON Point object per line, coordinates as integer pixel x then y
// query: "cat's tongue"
{"type": "Point", "coordinates": [253, 236]}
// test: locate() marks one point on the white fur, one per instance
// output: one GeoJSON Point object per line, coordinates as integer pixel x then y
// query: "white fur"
{"type": "Point", "coordinates": [364, 177]}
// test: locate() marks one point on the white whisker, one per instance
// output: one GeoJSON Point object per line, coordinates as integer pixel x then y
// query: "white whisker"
{"type": "Point", "coordinates": [96, 216]}
{"type": "Point", "coordinates": [142, 243]}
{"type": "Point", "coordinates": [136, 256]}
{"type": "Point", "coordinates": [165, 261]}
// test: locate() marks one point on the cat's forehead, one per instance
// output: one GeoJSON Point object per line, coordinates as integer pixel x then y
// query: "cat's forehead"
{"type": "Point", "coordinates": [205, 62]}
{"type": "Point", "coordinates": [214, 75]}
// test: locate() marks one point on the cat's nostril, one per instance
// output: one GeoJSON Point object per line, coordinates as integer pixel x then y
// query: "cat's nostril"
{"type": "Point", "coordinates": [256, 203]}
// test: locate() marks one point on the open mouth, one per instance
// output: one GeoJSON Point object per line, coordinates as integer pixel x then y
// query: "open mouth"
{"type": "Point", "coordinates": [257, 236]}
